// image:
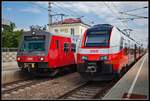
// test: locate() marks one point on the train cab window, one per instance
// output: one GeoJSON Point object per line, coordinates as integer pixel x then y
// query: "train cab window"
{"type": "Point", "coordinates": [33, 43]}
{"type": "Point", "coordinates": [99, 39]}
{"type": "Point", "coordinates": [66, 47]}
{"type": "Point", "coordinates": [57, 44]}
{"type": "Point", "coordinates": [73, 47]}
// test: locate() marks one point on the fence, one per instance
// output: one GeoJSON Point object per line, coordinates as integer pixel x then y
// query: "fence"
{"type": "Point", "coordinates": [9, 49]}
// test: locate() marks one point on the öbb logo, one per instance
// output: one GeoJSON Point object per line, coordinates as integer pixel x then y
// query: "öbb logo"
{"type": "Point", "coordinates": [93, 51]}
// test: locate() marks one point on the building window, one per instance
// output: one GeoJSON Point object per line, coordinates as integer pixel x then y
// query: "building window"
{"type": "Point", "coordinates": [65, 30]}
{"type": "Point", "coordinates": [72, 31]}
{"type": "Point", "coordinates": [56, 30]}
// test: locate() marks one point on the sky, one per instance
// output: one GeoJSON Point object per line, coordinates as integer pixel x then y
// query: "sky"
{"type": "Point", "coordinates": [27, 13]}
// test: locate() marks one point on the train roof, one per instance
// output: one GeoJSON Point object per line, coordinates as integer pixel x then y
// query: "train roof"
{"type": "Point", "coordinates": [101, 27]}
{"type": "Point", "coordinates": [36, 32]}
{"type": "Point", "coordinates": [109, 27]}
{"type": "Point", "coordinates": [42, 32]}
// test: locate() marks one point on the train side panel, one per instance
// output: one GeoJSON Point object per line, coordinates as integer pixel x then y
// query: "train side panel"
{"type": "Point", "coordinates": [57, 56]}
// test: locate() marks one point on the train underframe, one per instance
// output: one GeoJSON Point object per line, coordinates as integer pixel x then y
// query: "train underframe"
{"type": "Point", "coordinates": [42, 69]}
{"type": "Point", "coordinates": [97, 71]}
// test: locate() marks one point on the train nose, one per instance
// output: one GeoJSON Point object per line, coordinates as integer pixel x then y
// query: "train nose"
{"type": "Point", "coordinates": [91, 69]}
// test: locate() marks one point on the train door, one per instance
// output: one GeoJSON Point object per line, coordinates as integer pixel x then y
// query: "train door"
{"type": "Point", "coordinates": [58, 51]}
{"type": "Point", "coordinates": [135, 54]}
{"type": "Point", "coordinates": [129, 53]}
{"type": "Point", "coordinates": [139, 52]}
{"type": "Point", "coordinates": [66, 52]}
{"type": "Point", "coordinates": [73, 50]}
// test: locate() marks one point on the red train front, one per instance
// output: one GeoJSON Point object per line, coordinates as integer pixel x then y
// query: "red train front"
{"type": "Point", "coordinates": [41, 52]}
{"type": "Point", "coordinates": [104, 52]}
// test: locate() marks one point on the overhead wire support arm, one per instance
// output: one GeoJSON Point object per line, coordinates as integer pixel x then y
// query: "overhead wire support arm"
{"type": "Point", "coordinates": [62, 15]}
{"type": "Point", "coordinates": [135, 9]}
{"type": "Point", "coordinates": [134, 15]}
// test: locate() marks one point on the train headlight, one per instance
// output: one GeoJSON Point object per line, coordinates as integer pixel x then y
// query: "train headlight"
{"type": "Point", "coordinates": [84, 58]}
{"type": "Point", "coordinates": [103, 58]}
{"type": "Point", "coordinates": [42, 59]}
{"type": "Point", "coordinates": [18, 58]}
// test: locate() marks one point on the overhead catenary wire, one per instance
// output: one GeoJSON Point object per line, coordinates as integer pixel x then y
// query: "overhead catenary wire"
{"type": "Point", "coordinates": [66, 10]}
{"type": "Point", "coordinates": [120, 15]}
{"type": "Point", "coordinates": [40, 7]}
{"type": "Point", "coordinates": [116, 15]}
{"type": "Point", "coordinates": [134, 15]}
{"type": "Point", "coordinates": [127, 18]}
{"type": "Point", "coordinates": [70, 11]}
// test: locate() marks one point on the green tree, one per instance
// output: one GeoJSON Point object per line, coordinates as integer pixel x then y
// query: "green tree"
{"type": "Point", "coordinates": [10, 38]}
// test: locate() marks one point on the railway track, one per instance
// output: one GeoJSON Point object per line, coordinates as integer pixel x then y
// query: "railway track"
{"type": "Point", "coordinates": [88, 90]}
{"type": "Point", "coordinates": [22, 84]}
{"type": "Point", "coordinates": [14, 86]}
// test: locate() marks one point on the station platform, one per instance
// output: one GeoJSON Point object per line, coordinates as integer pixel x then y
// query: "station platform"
{"type": "Point", "coordinates": [9, 66]}
{"type": "Point", "coordinates": [11, 72]}
{"type": "Point", "coordinates": [134, 84]}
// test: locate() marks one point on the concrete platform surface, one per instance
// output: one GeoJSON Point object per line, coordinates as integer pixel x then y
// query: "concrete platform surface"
{"type": "Point", "coordinates": [133, 85]}
{"type": "Point", "coordinates": [9, 66]}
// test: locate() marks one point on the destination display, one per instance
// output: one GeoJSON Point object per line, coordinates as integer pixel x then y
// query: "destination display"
{"type": "Point", "coordinates": [98, 32]}
{"type": "Point", "coordinates": [38, 37]}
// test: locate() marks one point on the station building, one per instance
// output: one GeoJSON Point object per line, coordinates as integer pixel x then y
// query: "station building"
{"type": "Point", "coordinates": [73, 27]}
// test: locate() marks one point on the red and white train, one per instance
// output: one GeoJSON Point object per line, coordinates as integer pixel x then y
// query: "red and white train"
{"type": "Point", "coordinates": [105, 51]}
{"type": "Point", "coordinates": [41, 51]}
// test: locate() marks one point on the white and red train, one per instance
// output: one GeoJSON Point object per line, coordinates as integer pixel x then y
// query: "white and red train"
{"type": "Point", "coordinates": [41, 51]}
{"type": "Point", "coordinates": [104, 51]}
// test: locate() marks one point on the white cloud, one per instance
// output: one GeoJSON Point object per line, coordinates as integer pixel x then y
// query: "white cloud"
{"type": "Point", "coordinates": [40, 2]}
{"type": "Point", "coordinates": [31, 10]}
{"type": "Point", "coordinates": [9, 8]}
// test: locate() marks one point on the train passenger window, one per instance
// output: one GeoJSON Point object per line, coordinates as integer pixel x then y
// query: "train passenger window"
{"type": "Point", "coordinates": [121, 43]}
{"type": "Point", "coordinates": [57, 44]}
{"type": "Point", "coordinates": [66, 47]}
{"type": "Point", "coordinates": [73, 47]}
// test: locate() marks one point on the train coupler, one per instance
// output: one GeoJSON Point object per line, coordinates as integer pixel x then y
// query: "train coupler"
{"type": "Point", "coordinates": [91, 69]}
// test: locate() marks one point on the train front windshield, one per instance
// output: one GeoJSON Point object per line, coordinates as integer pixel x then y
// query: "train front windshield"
{"type": "Point", "coordinates": [97, 38]}
{"type": "Point", "coordinates": [33, 43]}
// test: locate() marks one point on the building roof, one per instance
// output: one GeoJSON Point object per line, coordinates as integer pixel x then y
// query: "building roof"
{"type": "Point", "coordinates": [69, 21]}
